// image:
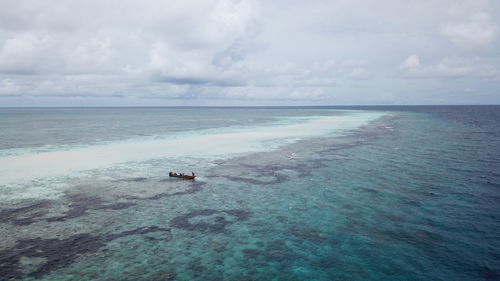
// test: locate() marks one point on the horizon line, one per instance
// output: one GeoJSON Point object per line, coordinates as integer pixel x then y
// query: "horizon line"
{"type": "Point", "coordinates": [243, 106]}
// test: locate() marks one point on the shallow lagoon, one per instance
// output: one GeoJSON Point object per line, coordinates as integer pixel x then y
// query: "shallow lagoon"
{"type": "Point", "coordinates": [282, 194]}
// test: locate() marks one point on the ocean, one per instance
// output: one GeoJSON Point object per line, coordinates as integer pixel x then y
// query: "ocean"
{"type": "Point", "coordinates": [281, 193]}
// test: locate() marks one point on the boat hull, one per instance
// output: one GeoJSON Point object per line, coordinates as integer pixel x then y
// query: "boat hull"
{"type": "Point", "coordinates": [183, 177]}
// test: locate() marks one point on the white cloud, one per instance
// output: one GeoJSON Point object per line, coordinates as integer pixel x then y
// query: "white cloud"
{"type": "Point", "coordinates": [360, 73]}
{"type": "Point", "coordinates": [8, 87]}
{"type": "Point", "coordinates": [24, 53]}
{"type": "Point", "coordinates": [242, 49]}
{"type": "Point", "coordinates": [477, 31]}
{"type": "Point", "coordinates": [451, 67]}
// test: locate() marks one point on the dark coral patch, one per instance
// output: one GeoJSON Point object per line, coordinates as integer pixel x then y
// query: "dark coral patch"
{"type": "Point", "coordinates": [57, 253]}
{"type": "Point", "coordinates": [262, 171]}
{"type": "Point", "coordinates": [139, 179]}
{"type": "Point", "coordinates": [80, 204]}
{"type": "Point", "coordinates": [25, 215]}
{"type": "Point", "coordinates": [307, 233]}
{"type": "Point", "coordinates": [252, 253]}
{"type": "Point", "coordinates": [164, 276]}
{"type": "Point", "coordinates": [193, 188]}
{"type": "Point", "coordinates": [277, 179]}
{"type": "Point", "coordinates": [219, 224]}
{"type": "Point", "coordinates": [137, 231]}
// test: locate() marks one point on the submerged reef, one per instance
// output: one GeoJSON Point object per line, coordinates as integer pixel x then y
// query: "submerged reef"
{"type": "Point", "coordinates": [36, 257]}
{"type": "Point", "coordinates": [50, 254]}
{"type": "Point", "coordinates": [222, 219]}
{"type": "Point", "coordinates": [193, 188]}
{"type": "Point", "coordinates": [25, 215]}
{"type": "Point", "coordinates": [78, 205]}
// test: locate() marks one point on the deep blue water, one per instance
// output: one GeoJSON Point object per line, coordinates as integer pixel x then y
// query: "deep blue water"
{"type": "Point", "coordinates": [411, 195]}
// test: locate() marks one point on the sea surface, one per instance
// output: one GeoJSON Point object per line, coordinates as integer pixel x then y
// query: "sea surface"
{"type": "Point", "coordinates": [285, 193]}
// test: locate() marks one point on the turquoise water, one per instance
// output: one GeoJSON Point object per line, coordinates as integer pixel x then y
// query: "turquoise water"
{"type": "Point", "coordinates": [282, 194]}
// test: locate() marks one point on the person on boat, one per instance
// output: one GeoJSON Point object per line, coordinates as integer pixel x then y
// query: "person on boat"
{"type": "Point", "coordinates": [170, 173]}
{"type": "Point", "coordinates": [192, 173]}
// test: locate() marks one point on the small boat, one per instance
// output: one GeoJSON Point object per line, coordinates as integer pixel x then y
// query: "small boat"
{"type": "Point", "coordinates": [182, 176]}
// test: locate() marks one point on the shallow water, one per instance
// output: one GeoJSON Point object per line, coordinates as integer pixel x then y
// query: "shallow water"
{"type": "Point", "coordinates": [282, 194]}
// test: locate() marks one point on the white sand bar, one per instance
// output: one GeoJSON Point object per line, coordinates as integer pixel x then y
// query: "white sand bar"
{"type": "Point", "coordinates": [209, 144]}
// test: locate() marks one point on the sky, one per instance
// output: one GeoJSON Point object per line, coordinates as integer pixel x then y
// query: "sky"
{"type": "Point", "coordinates": [246, 53]}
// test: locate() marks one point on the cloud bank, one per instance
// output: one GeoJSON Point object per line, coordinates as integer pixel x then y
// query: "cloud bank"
{"type": "Point", "coordinates": [242, 52]}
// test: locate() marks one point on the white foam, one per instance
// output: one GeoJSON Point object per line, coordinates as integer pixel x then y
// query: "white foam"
{"type": "Point", "coordinates": [208, 144]}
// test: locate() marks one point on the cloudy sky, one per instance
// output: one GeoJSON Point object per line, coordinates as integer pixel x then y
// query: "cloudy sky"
{"type": "Point", "coordinates": [242, 52]}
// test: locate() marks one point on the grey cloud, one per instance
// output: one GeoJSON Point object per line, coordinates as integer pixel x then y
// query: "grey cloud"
{"type": "Point", "coordinates": [453, 67]}
{"type": "Point", "coordinates": [10, 95]}
{"type": "Point", "coordinates": [253, 51]}
{"type": "Point", "coordinates": [478, 30]}
{"type": "Point", "coordinates": [200, 81]}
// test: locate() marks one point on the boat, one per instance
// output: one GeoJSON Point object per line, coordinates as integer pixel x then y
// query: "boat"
{"type": "Point", "coordinates": [182, 176]}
